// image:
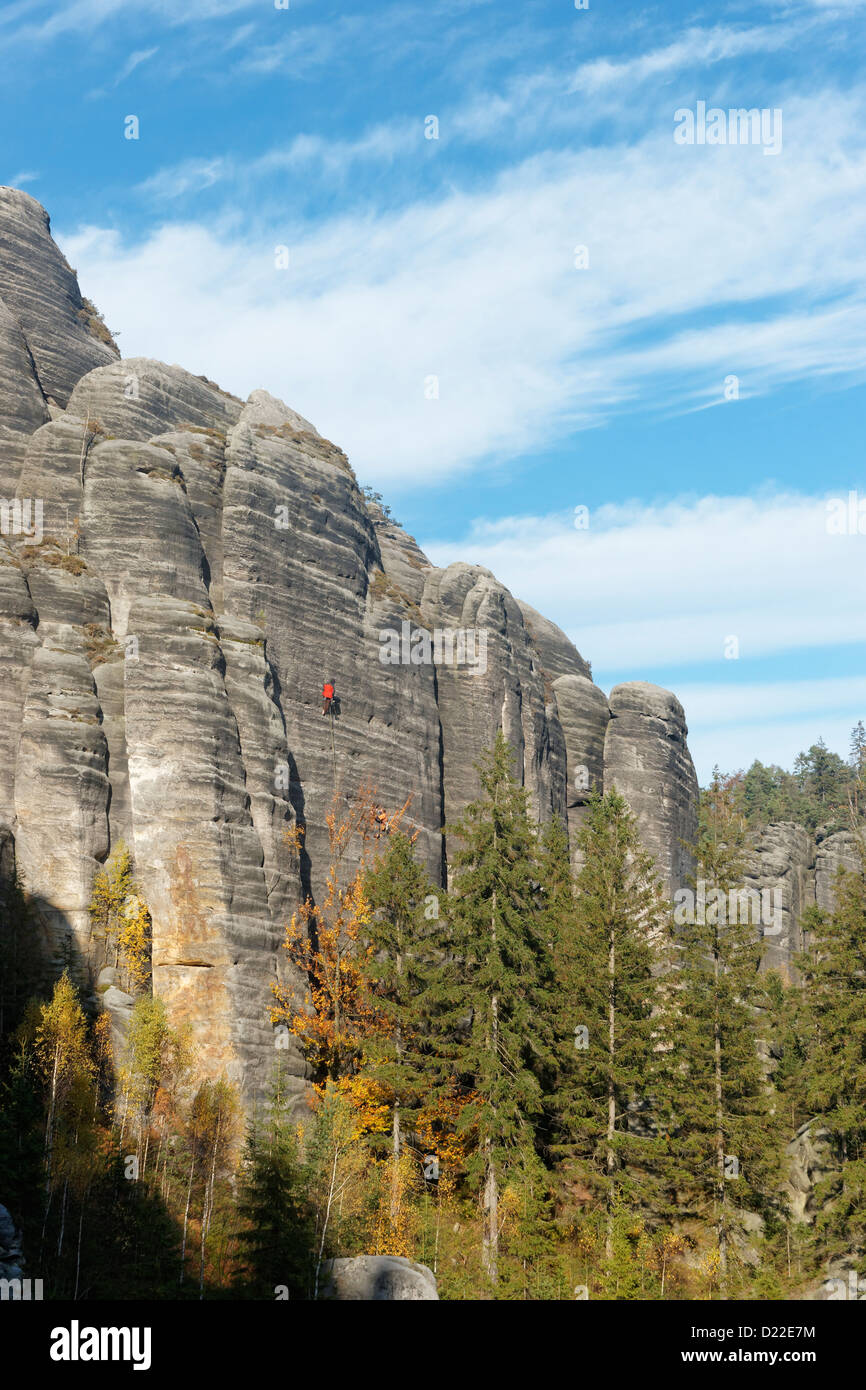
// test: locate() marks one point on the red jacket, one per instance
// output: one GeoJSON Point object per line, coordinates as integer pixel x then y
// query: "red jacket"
{"type": "Point", "coordinates": [328, 692]}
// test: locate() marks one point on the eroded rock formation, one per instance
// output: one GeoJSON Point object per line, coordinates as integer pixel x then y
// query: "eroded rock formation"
{"type": "Point", "coordinates": [182, 571]}
{"type": "Point", "coordinates": [793, 869]}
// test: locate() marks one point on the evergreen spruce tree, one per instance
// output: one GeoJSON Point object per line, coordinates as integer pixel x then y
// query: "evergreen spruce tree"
{"type": "Point", "coordinates": [401, 936]}
{"type": "Point", "coordinates": [528, 1266]}
{"type": "Point", "coordinates": [723, 1133]}
{"type": "Point", "coordinates": [489, 998]}
{"type": "Point", "coordinates": [834, 1040]}
{"type": "Point", "coordinates": [277, 1238]}
{"type": "Point", "coordinates": [605, 991]}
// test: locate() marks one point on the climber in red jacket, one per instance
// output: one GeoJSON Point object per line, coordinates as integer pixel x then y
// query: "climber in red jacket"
{"type": "Point", "coordinates": [327, 697]}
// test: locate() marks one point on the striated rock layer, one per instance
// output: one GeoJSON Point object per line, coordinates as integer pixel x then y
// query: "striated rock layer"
{"type": "Point", "coordinates": [793, 869]}
{"type": "Point", "coordinates": [647, 759]}
{"type": "Point", "coordinates": [180, 571]}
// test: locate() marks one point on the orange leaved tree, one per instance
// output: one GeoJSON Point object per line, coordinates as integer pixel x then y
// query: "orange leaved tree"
{"type": "Point", "coordinates": [327, 942]}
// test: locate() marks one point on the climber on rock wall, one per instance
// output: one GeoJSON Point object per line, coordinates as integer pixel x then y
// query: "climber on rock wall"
{"type": "Point", "coordinates": [327, 697]}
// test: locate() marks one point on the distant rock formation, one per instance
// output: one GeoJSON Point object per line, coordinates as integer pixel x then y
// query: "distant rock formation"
{"type": "Point", "coordinates": [795, 870]}
{"type": "Point", "coordinates": [202, 565]}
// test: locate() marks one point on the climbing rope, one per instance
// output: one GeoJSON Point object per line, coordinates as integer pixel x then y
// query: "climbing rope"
{"type": "Point", "coordinates": [333, 745]}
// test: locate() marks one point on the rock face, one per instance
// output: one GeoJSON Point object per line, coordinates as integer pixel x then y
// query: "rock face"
{"type": "Point", "coordinates": [48, 336]}
{"type": "Point", "coordinates": [497, 684]}
{"type": "Point", "coordinates": [557, 655]}
{"type": "Point", "coordinates": [832, 853]}
{"type": "Point", "coordinates": [584, 715]}
{"type": "Point", "coordinates": [62, 793]}
{"type": "Point", "coordinates": [378, 1278]}
{"type": "Point", "coordinates": [812, 1162]}
{"type": "Point", "coordinates": [179, 573]}
{"type": "Point", "coordinates": [793, 869]}
{"type": "Point", "coordinates": [647, 759]}
{"type": "Point", "coordinates": [781, 868]}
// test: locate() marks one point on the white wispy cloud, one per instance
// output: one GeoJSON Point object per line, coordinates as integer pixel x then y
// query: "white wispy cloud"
{"type": "Point", "coordinates": [26, 21]}
{"type": "Point", "coordinates": [189, 176]}
{"type": "Point", "coordinates": [331, 158]}
{"type": "Point", "coordinates": [646, 587]}
{"type": "Point", "coordinates": [663, 589]}
{"type": "Point", "coordinates": [697, 48]}
{"type": "Point", "coordinates": [480, 290]}
{"type": "Point", "coordinates": [784, 700]}
{"type": "Point", "coordinates": [135, 60]}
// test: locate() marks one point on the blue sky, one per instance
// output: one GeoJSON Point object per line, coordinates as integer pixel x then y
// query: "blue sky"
{"type": "Point", "coordinates": [559, 386]}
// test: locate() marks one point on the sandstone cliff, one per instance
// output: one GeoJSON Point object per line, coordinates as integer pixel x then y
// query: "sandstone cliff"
{"type": "Point", "coordinates": [795, 869]}
{"type": "Point", "coordinates": [201, 564]}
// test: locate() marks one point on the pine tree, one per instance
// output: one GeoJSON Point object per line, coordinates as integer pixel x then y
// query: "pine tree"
{"type": "Point", "coordinates": [276, 1236]}
{"type": "Point", "coordinates": [834, 1038]}
{"type": "Point", "coordinates": [857, 763]}
{"type": "Point", "coordinates": [400, 936]}
{"type": "Point", "coordinates": [491, 991]}
{"type": "Point", "coordinates": [22, 1127]}
{"type": "Point", "coordinates": [528, 1266]}
{"type": "Point", "coordinates": [823, 778]}
{"type": "Point", "coordinates": [605, 1032]}
{"type": "Point", "coordinates": [721, 1129]}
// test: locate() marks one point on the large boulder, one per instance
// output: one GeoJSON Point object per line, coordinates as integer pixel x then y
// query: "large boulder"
{"type": "Point", "coordinates": [377, 1278]}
